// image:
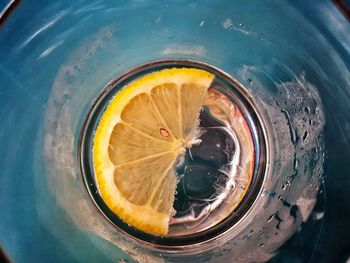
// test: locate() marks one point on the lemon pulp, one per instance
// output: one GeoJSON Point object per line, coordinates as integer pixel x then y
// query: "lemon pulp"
{"type": "Point", "coordinates": [142, 132]}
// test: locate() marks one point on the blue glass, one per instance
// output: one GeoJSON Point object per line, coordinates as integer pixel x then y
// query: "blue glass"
{"type": "Point", "coordinates": [57, 56]}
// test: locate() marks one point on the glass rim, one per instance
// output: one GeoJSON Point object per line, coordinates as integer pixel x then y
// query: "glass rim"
{"type": "Point", "coordinates": [188, 243]}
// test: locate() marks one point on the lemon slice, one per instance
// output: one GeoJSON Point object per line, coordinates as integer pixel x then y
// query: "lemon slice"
{"type": "Point", "coordinates": [142, 132]}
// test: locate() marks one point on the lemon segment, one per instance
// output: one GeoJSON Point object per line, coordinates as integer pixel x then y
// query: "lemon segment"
{"type": "Point", "coordinates": [144, 129]}
{"type": "Point", "coordinates": [127, 144]}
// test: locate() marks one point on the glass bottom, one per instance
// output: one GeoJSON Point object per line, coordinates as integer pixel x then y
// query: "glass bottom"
{"type": "Point", "coordinates": [218, 178]}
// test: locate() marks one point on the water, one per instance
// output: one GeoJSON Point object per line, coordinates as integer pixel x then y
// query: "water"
{"type": "Point", "coordinates": [57, 57]}
{"type": "Point", "coordinates": [215, 174]}
{"type": "Point", "coordinates": [226, 162]}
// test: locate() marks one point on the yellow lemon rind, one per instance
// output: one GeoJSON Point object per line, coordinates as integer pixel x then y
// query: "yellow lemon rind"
{"type": "Point", "coordinates": [143, 218]}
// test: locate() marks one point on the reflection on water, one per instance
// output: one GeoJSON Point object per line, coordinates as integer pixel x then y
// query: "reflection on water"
{"type": "Point", "coordinates": [55, 59]}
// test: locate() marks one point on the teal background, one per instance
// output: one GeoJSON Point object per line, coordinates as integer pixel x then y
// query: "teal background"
{"type": "Point", "coordinates": [285, 39]}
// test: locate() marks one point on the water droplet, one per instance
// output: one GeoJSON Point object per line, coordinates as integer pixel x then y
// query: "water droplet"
{"type": "Point", "coordinates": [272, 194]}
{"type": "Point", "coordinates": [305, 135]}
{"type": "Point", "coordinates": [285, 202]}
{"type": "Point", "coordinates": [277, 218]}
{"type": "Point", "coordinates": [293, 211]}
{"type": "Point", "coordinates": [296, 164]}
{"type": "Point", "coordinates": [291, 129]}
